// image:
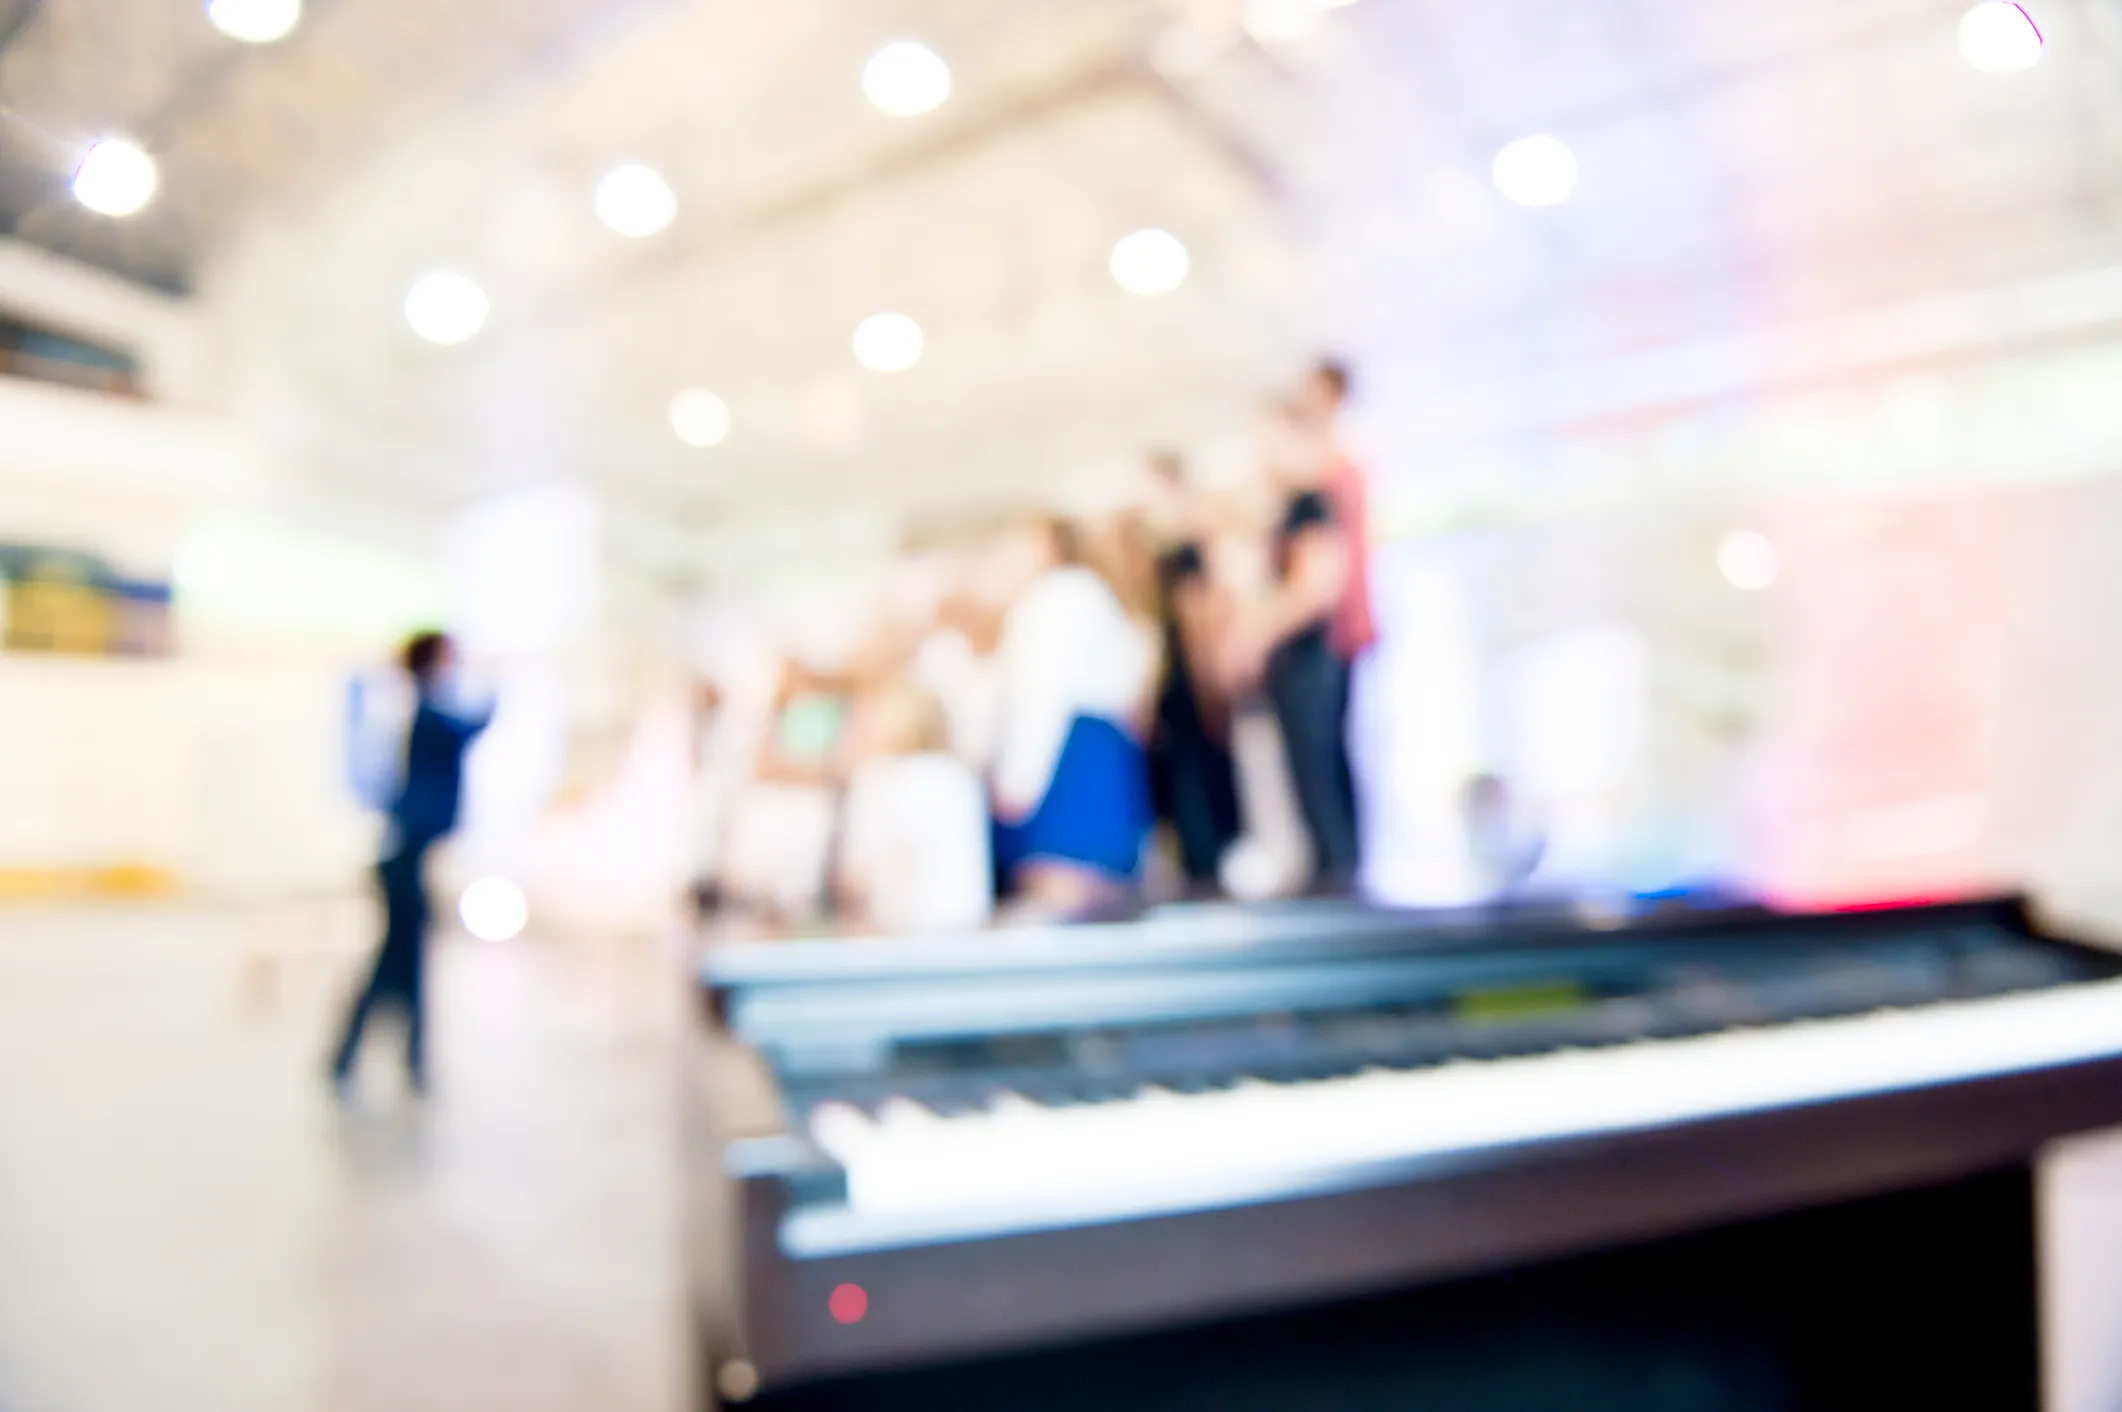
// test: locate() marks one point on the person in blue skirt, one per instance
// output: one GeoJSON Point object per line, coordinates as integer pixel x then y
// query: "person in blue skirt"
{"type": "Point", "coordinates": [1071, 777]}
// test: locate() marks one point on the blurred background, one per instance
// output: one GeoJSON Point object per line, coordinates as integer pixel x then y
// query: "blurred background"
{"type": "Point", "coordinates": [1736, 392]}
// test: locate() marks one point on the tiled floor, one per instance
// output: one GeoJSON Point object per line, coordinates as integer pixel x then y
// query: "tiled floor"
{"type": "Point", "coordinates": [188, 1222]}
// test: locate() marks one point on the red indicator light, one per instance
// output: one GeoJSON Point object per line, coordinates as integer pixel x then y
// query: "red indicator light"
{"type": "Point", "coordinates": [848, 1303]}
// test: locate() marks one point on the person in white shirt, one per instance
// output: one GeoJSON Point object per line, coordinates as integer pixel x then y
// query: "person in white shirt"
{"type": "Point", "coordinates": [1070, 778]}
{"type": "Point", "coordinates": [968, 687]}
{"type": "Point", "coordinates": [914, 830]}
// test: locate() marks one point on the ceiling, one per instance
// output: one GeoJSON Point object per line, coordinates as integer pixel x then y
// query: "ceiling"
{"type": "Point", "coordinates": [1744, 168]}
{"type": "Point", "coordinates": [803, 210]}
{"type": "Point", "coordinates": [233, 124]}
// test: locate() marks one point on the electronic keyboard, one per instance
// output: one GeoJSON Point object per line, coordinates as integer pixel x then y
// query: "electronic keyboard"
{"type": "Point", "coordinates": [1009, 1140]}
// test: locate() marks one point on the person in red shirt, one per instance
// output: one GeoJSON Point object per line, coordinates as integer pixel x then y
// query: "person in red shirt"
{"type": "Point", "coordinates": [1299, 641]}
{"type": "Point", "coordinates": [1319, 402]}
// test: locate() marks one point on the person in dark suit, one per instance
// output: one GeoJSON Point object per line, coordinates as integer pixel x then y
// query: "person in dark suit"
{"type": "Point", "coordinates": [424, 811]}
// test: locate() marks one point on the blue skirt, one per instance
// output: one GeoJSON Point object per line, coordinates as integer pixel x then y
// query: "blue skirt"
{"type": "Point", "coordinates": [1096, 810]}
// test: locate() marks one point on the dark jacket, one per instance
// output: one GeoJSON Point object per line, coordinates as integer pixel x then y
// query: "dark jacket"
{"type": "Point", "coordinates": [434, 773]}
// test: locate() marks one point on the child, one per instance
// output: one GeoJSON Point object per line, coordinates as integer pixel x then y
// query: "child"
{"type": "Point", "coordinates": [914, 841]}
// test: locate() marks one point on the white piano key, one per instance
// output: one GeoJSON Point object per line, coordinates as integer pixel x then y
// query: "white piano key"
{"type": "Point", "coordinates": [899, 1111]}
{"type": "Point", "coordinates": [1009, 1104]}
{"type": "Point", "coordinates": [842, 1129]}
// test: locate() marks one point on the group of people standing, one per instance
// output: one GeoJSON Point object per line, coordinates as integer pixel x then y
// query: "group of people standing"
{"type": "Point", "coordinates": [1185, 660]}
{"type": "Point", "coordinates": [1018, 742]}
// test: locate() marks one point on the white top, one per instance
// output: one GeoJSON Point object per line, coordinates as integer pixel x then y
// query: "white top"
{"type": "Point", "coordinates": [1068, 649]}
{"type": "Point", "coordinates": [914, 838]}
{"type": "Point", "coordinates": [969, 688]}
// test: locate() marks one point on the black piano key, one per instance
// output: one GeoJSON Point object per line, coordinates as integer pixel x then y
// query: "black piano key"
{"type": "Point", "coordinates": [1616, 1001]}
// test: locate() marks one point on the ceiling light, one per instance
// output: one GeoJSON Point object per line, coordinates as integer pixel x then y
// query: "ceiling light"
{"type": "Point", "coordinates": [493, 909]}
{"type": "Point", "coordinates": [1999, 38]}
{"type": "Point", "coordinates": [1149, 262]}
{"type": "Point", "coordinates": [906, 77]}
{"type": "Point", "coordinates": [1536, 171]}
{"type": "Point", "coordinates": [115, 178]}
{"type": "Point", "coordinates": [1747, 559]}
{"type": "Point", "coordinates": [254, 21]}
{"type": "Point", "coordinates": [634, 200]}
{"type": "Point", "coordinates": [699, 417]}
{"type": "Point", "coordinates": [1281, 21]}
{"type": "Point", "coordinates": [888, 343]}
{"type": "Point", "coordinates": [445, 307]}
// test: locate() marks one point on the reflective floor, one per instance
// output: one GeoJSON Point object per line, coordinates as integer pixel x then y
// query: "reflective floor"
{"type": "Point", "coordinates": [187, 1221]}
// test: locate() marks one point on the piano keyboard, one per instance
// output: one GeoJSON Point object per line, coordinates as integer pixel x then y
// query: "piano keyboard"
{"type": "Point", "coordinates": [1021, 1142]}
{"type": "Point", "coordinates": [913, 1174]}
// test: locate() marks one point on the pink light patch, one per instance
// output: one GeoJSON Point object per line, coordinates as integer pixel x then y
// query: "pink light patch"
{"type": "Point", "coordinates": [848, 1303]}
{"type": "Point", "coordinates": [2030, 22]}
{"type": "Point", "coordinates": [1887, 762]}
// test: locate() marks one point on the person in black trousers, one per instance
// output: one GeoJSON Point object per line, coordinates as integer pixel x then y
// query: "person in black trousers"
{"type": "Point", "coordinates": [1194, 783]}
{"type": "Point", "coordinates": [1308, 683]}
{"type": "Point", "coordinates": [1297, 643]}
{"type": "Point", "coordinates": [424, 812]}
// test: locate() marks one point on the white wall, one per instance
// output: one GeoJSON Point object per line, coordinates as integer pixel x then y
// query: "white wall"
{"type": "Point", "coordinates": [1750, 722]}
{"type": "Point", "coordinates": [263, 587]}
{"type": "Point", "coordinates": [230, 777]}
{"type": "Point", "coordinates": [226, 765]}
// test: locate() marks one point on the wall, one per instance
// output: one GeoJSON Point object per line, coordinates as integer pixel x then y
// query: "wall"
{"type": "Point", "coordinates": [1926, 701]}
{"type": "Point", "coordinates": [219, 773]}
{"type": "Point", "coordinates": [1595, 660]}
{"type": "Point", "coordinates": [223, 781]}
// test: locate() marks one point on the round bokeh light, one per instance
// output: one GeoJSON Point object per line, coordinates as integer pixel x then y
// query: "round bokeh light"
{"type": "Point", "coordinates": [1149, 262]}
{"type": "Point", "coordinates": [635, 200]}
{"type": "Point", "coordinates": [1748, 559]}
{"type": "Point", "coordinates": [1536, 171]}
{"type": "Point", "coordinates": [446, 307]}
{"type": "Point", "coordinates": [1999, 38]}
{"type": "Point", "coordinates": [888, 343]}
{"type": "Point", "coordinates": [906, 77]}
{"type": "Point", "coordinates": [115, 178]}
{"type": "Point", "coordinates": [493, 909]}
{"type": "Point", "coordinates": [699, 418]}
{"type": "Point", "coordinates": [255, 21]}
